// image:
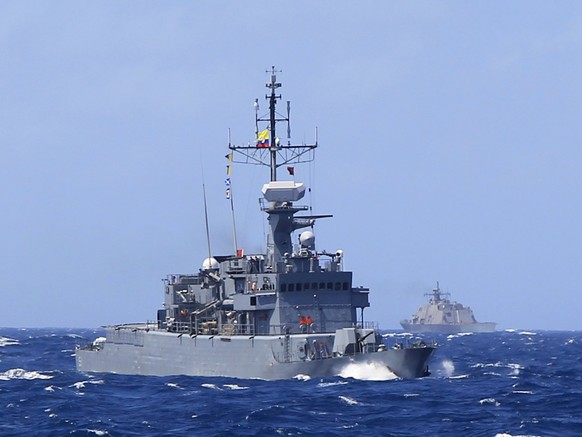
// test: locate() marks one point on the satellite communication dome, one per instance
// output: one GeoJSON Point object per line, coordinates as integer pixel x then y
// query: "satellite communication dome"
{"type": "Point", "coordinates": [210, 264]}
{"type": "Point", "coordinates": [307, 239]}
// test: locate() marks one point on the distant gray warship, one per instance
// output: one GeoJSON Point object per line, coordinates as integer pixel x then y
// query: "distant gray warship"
{"type": "Point", "coordinates": [441, 315]}
{"type": "Point", "coordinates": [289, 311]}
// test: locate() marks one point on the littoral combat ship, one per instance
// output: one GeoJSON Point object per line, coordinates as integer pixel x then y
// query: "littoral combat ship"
{"type": "Point", "coordinates": [440, 315]}
{"type": "Point", "coordinates": [289, 311]}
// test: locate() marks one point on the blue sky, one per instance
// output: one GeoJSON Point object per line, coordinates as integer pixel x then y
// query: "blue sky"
{"type": "Point", "coordinates": [450, 150]}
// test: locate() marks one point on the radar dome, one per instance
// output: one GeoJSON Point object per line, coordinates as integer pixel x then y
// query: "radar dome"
{"type": "Point", "coordinates": [210, 264]}
{"type": "Point", "coordinates": [307, 239]}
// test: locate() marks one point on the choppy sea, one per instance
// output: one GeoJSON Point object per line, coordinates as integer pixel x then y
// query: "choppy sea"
{"type": "Point", "coordinates": [509, 383]}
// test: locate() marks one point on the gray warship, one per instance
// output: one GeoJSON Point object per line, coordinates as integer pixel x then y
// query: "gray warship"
{"type": "Point", "coordinates": [440, 315]}
{"type": "Point", "coordinates": [291, 311]}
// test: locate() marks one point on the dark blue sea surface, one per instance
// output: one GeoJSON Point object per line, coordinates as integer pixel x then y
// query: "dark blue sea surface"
{"type": "Point", "coordinates": [510, 383]}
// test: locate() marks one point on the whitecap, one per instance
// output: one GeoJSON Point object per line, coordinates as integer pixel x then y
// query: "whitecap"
{"type": "Point", "coordinates": [527, 333]}
{"type": "Point", "coordinates": [489, 401]}
{"type": "Point", "coordinates": [331, 384]}
{"type": "Point", "coordinates": [211, 386]}
{"type": "Point", "coordinates": [52, 388]}
{"type": "Point", "coordinates": [397, 334]}
{"type": "Point", "coordinates": [81, 384]}
{"type": "Point", "coordinates": [5, 341]}
{"type": "Point", "coordinates": [235, 387]}
{"type": "Point", "coordinates": [504, 434]}
{"type": "Point", "coordinates": [515, 368]}
{"type": "Point", "coordinates": [301, 377]}
{"type": "Point", "coordinates": [367, 372]}
{"type": "Point", "coordinates": [523, 392]}
{"type": "Point", "coordinates": [98, 432]}
{"type": "Point", "coordinates": [22, 374]}
{"type": "Point", "coordinates": [348, 401]}
{"type": "Point", "coordinates": [353, 425]}
{"type": "Point", "coordinates": [411, 395]}
{"type": "Point", "coordinates": [459, 377]}
{"type": "Point", "coordinates": [172, 384]}
{"type": "Point", "coordinates": [457, 335]}
{"type": "Point", "coordinates": [262, 410]}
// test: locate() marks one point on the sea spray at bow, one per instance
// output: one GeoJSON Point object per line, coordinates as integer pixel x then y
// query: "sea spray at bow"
{"type": "Point", "coordinates": [367, 372]}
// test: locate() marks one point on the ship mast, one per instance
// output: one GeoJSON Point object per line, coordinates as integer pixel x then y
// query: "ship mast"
{"type": "Point", "coordinates": [273, 85]}
{"type": "Point", "coordinates": [281, 195]}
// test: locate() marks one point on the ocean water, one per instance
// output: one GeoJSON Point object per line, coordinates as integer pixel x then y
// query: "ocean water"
{"type": "Point", "coordinates": [509, 383]}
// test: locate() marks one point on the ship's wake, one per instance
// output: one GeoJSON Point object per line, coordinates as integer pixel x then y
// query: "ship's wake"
{"type": "Point", "coordinates": [368, 372]}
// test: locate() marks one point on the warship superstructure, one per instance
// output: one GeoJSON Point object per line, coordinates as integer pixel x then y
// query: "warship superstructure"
{"type": "Point", "coordinates": [440, 315]}
{"type": "Point", "coordinates": [289, 311]}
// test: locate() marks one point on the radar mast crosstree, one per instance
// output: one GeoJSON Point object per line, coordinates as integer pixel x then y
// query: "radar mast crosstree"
{"type": "Point", "coordinates": [276, 154]}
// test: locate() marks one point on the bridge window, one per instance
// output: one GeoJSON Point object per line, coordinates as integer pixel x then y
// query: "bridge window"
{"type": "Point", "coordinates": [330, 285]}
{"type": "Point", "coordinates": [314, 285]}
{"type": "Point", "coordinates": [298, 287]}
{"type": "Point", "coordinates": [337, 286]}
{"type": "Point", "coordinates": [291, 287]}
{"type": "Point", "coordinates": [306, 286]}
{"type": "Point", "coordinates": [345, 286]}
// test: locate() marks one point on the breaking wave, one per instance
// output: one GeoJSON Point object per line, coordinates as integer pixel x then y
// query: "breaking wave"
{"type": "Point", "coordinates": [367, 372]}
{"type": "Point", "coordinates": [23, 374]}
{"type": "Point", "coordinates": [5, 341]}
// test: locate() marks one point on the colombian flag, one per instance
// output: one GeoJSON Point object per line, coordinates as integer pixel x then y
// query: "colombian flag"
{"type": "Point", "coordinates": [263, 138]}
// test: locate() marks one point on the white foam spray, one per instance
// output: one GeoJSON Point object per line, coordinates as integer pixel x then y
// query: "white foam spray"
{"type": "Point", "coordinates": [5, 341]}
{"type": "Point", "coordinates": [22, 374]}
{"type": "Point", "coordinates": [302, 377]}
{"type": "Point", "coordinates": [367, 372]}
{"type": "Point", "coordinates": [347, 400]}
{"type": "Point", "coordinates": [448, 368]}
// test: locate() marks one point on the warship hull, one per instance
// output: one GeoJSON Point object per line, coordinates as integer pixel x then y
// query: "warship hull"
{"type": "Point", "coordinates": [441, 328]}
{"type": "Point", "coordinates": [160, 353]}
